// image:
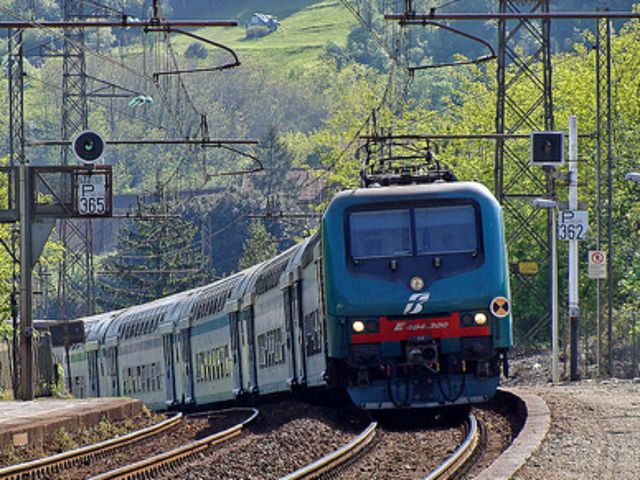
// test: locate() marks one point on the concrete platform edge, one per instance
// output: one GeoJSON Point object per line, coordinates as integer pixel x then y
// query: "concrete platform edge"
{"type": "Point", "coordinates": [34, 433]}
{"type": "Point", "coordinates": [528, 440]}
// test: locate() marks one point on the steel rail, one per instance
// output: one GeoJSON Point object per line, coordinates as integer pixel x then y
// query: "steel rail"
{"type": "Point", "coordinates": [172, 458]}
{"type": "Point", "coordinates": [54, 463]}
{"type": "Point", "coordinates": [452, 465]}
{"type": "Point", "coordinates": [336, 458]}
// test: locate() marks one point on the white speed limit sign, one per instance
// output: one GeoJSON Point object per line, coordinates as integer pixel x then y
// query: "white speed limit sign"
{"type": "Point", "coordinates": [573, 224]}
{"type": "Point", "coordinates": [91, 195]}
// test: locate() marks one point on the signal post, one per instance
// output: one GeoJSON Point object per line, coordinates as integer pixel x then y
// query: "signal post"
{"type": "Point", "coordinates": [40, 196]}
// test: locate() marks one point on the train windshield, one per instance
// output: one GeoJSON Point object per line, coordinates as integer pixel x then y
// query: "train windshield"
{"type": "Point", "coordinates": [434, 230]}
{"type": "Point", "coordinates": [447, 229]}
{"type": "Point", "coordinates": [380, 233]}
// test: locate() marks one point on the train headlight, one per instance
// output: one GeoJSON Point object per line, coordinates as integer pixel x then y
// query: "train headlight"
{"type": "Point", "coordinates": [358, 326]}
{"type": "Point", "coordinates": [416, 284]}
{"type": "Point", "coordinates": [480, 318]}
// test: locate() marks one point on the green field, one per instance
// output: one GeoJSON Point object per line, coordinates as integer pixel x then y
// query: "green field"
{"type": "Point", "coordinates": [240, 10]}
{"type": "Point", "coordinates": [295, 45]}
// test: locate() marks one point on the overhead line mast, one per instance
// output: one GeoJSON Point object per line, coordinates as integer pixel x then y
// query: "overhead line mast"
{"type": "Point", "coordinates": [540, 12]}
{"type": "Point", "coordinates": [74, 118]}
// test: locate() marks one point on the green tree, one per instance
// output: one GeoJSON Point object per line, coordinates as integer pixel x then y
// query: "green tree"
{"type": "Point", "coordinates": [155, 257]}
{"type": "Point", "coordinates": [6, 264]}
{"type": "Point", "coordinates": [258, 247]}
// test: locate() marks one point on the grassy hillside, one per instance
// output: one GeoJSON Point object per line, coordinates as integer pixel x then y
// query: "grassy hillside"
{"type": "Point", "coordinates": [296, 44]}
{"type": "Point", "coordinates": [237, 9]}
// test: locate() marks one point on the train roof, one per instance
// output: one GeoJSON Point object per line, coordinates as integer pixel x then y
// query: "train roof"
{"type": "Point", "coordinates": [263, 276]}
{"type": "Point", "coordinates": [303, 255]}
{"type": "Point", "coordinates": [212, 298]}
{"type": "Point", "coordinates": [407, 192]}
{"type": "Point", "coordinates": [97, 325]}
{"type": "Point", "coordinates": [148, 317]}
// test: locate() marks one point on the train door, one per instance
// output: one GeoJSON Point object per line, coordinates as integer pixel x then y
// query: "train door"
{"type": "Point", "coordinates": [290, 332]}
{"type": "Point", "coordinates": [236, 352]}
{"type": "Point", "coordinates": [314, 337]}
{"type": "Point", "coordinates": [112, 372]}
{"type": "Point", "coordinates": [298, 321]}
{"type": "Point", "coordinates": [169, 386]}
{"type": "Point", "coordinates": [94, 382]}
{"type": "Point", "coordinates": [187, 362]}
{"type": "Point", "coordinates": [247, 335]}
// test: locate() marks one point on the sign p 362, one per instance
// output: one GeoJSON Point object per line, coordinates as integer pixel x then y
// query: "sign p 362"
{"type": "Point", "coordinates": [573, 224]}
{"type": "Point", "coordinates": [92, 193]}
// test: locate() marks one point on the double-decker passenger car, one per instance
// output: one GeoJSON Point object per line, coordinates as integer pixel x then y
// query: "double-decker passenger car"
{"type": "Point", "coordinates": [402, 300]}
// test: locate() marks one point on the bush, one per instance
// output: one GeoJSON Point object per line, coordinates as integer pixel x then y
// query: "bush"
{"type": "Point", "coordinates": [196, 50]}
{"type": "Point", "coordinates": [62, 441]}
{"type": "Point", "coordinates": [257, 32]}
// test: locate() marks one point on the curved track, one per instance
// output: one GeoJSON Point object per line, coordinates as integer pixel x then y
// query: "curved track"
{"type": "Point", "coordinates": [458, 462]}
{"type": "Point", "coordinates": [335, 459]}
{"type": "Point", "coordinates": [45, 467]}
{"type": "Point", "coordinates": [173, 458]}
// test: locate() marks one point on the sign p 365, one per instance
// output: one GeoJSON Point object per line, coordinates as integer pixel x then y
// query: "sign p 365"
{"type": "Point", "coordinates": [92, 193]}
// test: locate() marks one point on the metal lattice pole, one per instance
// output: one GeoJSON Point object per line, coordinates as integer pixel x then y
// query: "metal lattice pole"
{"type": "Point", "coordinates": [524, 47]}
{"type": "Point", "coordinates": [16, 100]}
{"type": "Point", "coordinates": [604, 153]}
{"type": "Point", "coordinates": [17, 158]}
{"type": "Point", "coordinates": [76, 277]}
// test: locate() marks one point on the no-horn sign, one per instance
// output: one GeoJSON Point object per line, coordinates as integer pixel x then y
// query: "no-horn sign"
{"type": "Point", "coordinates": [597, 264]}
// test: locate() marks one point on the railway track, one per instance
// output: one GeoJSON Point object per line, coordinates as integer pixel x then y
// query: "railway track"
{"type": "Point", "coordinates": [49, 466]}
{"type": "Point", "coordinates": [335, 459]}
{"type": "Point", "coordinates": [171, 459]}
{"type": "Point", "coordinates": [458, 463]}
{"type": "Point", "coordinates": [453, 467]}
{"type": "Point", "coordinates": [45, 467]}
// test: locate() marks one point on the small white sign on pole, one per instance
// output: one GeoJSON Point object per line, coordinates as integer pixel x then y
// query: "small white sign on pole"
{"type": "Point", "coordinates": [91, 195]}
{"type": "Point", "coordinates": [597, 264]}
{"type": "Point", "coordinates": [573, 224]}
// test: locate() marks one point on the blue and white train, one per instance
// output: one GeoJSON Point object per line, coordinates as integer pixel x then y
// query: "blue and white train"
{"type": "Point", "coordinates": [402, 300]}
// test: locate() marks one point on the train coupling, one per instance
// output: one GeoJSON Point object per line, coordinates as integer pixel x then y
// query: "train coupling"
{"type": "Point", "coordinates": [422, 352]}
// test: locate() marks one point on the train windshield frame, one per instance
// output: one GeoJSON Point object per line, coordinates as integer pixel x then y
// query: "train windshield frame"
{"type": "Point", "coordinates": [417, 230]}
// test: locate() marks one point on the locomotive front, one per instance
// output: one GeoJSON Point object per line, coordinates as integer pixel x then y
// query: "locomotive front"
{"type": "Point", "coordinates": [416, 294]}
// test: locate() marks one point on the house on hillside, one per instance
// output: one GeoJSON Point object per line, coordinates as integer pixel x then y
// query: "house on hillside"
{"type": "Point", "coordinates": [261, 24]}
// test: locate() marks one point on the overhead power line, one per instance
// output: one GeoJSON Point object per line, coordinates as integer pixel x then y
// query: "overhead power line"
{"type": "Point", "coordinates": [126, 22]}
{"type": "Point", "coordinates": [418, 18]}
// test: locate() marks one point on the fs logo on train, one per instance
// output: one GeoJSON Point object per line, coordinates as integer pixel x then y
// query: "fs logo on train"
{"type": "Point", "coordinates": [415, 303]}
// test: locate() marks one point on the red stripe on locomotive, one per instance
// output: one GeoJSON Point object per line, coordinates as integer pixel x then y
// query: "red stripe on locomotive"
{"type": "Point", "coordinates": [404, 329]}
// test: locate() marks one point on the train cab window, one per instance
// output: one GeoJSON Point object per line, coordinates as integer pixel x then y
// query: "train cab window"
{"type": "Point", "coordinates": [380, 233]}
{"type": "Point", "coordinates": [446, 229]}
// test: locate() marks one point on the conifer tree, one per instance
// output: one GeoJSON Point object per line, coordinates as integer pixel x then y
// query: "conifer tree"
{"type": "Point", "coordinates": [258, 246]}
{"type": "Point", "coordinates": [155, 257]}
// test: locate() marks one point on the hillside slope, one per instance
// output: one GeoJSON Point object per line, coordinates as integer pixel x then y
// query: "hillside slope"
{"type": "Point", "coordinates": [296, 45]}
{"type": "Point", "coordinates": [237, 9]}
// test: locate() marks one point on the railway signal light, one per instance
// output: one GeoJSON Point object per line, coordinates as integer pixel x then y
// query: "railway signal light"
{"type": "Point", "coordinates": [547, 148]}
{"type": "Point", "coordinates": [88, 146]}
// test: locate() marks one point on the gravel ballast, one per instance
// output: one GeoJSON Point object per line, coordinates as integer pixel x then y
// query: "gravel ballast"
{"type": "Point", "coordinates": [595, 424]}
{"type": "Point", "coordinates": [594, 433]}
